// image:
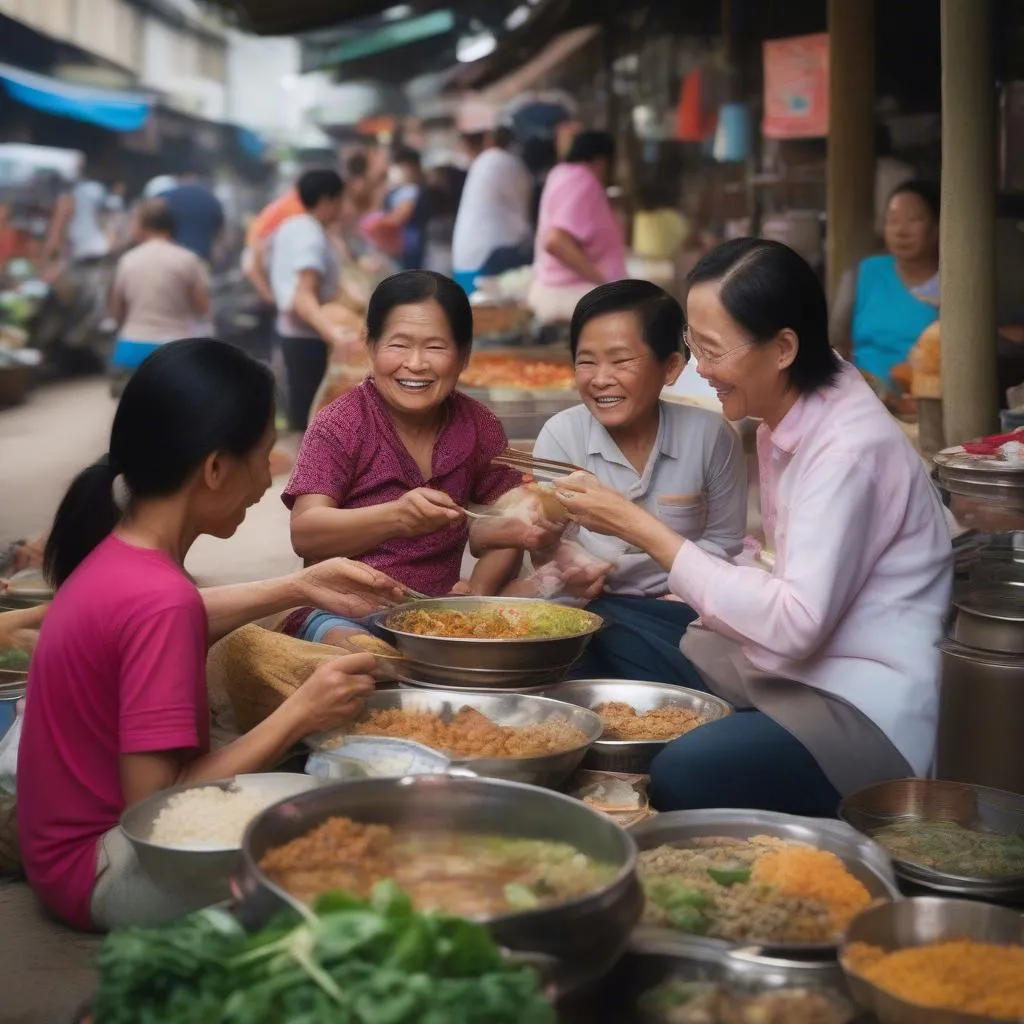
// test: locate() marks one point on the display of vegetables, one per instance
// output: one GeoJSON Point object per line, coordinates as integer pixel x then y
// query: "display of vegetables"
{"type": "Point", "coordinates": [347, 961]}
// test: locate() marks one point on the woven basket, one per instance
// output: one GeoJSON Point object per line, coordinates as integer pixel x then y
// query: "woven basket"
{"type": "Point", "coordinates": [259, 670]}
{"type": "Point", "coordinates": [10, 854]}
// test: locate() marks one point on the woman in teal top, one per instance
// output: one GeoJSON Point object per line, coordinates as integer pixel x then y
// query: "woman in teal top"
{"type": "Point", "coordinates": [896, 295]}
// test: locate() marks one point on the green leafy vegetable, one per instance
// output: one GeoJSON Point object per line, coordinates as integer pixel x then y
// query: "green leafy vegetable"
{"type": "Point", "coordinates": [730, 876]}
{"type": "Point", "coordinates": [14, 659]}
{"type": "Point", "coordinates": [520, 897]}
{"type": "Point", "coordinates": [681, 904]}
{"type": "Point", "coordinates": [347, 961]}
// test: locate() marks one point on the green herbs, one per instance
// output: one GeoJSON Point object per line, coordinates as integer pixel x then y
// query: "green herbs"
{"type": "Point", "coordinates": [681, 904]}
{"type": "Point", "coordinates": [730, 876]}
{"type": "Point", "coordinates": [948, 847]}
{"type": "Point", "coordinates": [347, 962]}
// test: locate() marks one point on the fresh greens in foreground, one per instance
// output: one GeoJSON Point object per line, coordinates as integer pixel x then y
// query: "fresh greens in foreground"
{"type": "Point", "coordinates": [348, 962]}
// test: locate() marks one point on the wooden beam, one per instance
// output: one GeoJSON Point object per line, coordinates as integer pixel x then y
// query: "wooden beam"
{"type": "Point", "coordinates": [967, 224]}
{"type": "Point", "coordinates": [851, 137]}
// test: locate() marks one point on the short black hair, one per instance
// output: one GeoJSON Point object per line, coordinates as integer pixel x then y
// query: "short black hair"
{"type": "Point", "coordinates": [406, 155]}
{"type": "Point", "coordinates": [155, 215]}
{"type": "Point", "coordinates": [590, 146]}
{"type": "Point", "coordinates": [504, 136]}
{"type": "Point", "coordinates": [926, 191]}
{"type": "Point", "coordinates": [766, 287]}
{"type": "Point", "coordinates": [412, 286]}
{"type": "Point", "coordinates": [475, 140]}
{"type": "Point", "coordinates": [356, 165]}
{"type": "Point", "coordinates": [660, 316]}
{"type": "Point", "coordinates": [318, 184]}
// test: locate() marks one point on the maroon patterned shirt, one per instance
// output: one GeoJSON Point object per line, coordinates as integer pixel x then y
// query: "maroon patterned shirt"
{"type": "Point", "coordinates": [352, 454]}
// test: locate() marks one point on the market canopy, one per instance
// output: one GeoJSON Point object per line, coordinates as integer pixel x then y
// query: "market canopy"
{"type": "Point", "coordinates": [289, 17]}
{"type": "Point", "coordinates": [108, 108]}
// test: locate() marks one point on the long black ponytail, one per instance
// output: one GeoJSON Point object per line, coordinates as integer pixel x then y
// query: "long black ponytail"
{"type": "Point", "coordinates": [187, 400]}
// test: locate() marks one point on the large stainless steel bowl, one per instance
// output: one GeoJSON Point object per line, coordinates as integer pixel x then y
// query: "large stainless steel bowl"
{"type": "Point", "coordinates": [199, 877]}
{"type": "Point", "coordinates": [863, 857]}
{"type": "Point", "coordinates": [919, 922]}
{"type": "Point", "coordinates": [586, 935]}
{"type": "Point", "coordinates": [648, 964]}
{"type": "Point", "coordinates": [500, 680]}
{"type": "Point", "coordinates": [634, 755]}
{"type": "Point", "coordinates": [473, 653]}
{"type": "Point", "coordinates": [975, 807]}
{"type": "Point", "coordinates": [514, 709]}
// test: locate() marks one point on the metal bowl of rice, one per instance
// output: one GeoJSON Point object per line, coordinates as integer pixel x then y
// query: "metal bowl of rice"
{"type": "Point", "coordinates": [567, 732]}
{"type": "Point", "coordinates": [189, 838]}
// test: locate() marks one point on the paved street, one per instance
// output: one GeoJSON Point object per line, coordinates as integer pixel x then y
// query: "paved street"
{"type": "Point", "coordinates": [64, 427]}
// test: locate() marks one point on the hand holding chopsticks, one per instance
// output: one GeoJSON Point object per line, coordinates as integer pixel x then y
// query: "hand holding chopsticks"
{"type": "Point", "coordinates": [539, 469]}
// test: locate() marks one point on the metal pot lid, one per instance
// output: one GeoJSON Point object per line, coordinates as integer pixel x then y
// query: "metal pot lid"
{"type": "Point", "coordinates": [1004, 603]}
{"type": "Point", "coordinates": [956, 458]}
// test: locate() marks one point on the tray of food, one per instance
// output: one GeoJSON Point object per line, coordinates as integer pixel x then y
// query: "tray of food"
{"type": "Point", "coordinates": [545, 873]}
{"type": "Point", "coordinates": [786, 884]}
{"type": "Point", "coordinates": [639, 718]}
{"type": "Point", "coordinates": [508, 735]}
{"type": "Point", "coordinates": [952, 837]}
{"type": "Point", "coordinates": [492, 633]}
{"type": "Point", "coordinates": [934, 960]}
{"type": "Point", "coordinates": [692, 984]}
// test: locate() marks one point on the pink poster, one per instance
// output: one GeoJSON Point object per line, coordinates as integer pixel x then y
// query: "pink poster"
{"type": "Point", "coordinates": [796, 87]}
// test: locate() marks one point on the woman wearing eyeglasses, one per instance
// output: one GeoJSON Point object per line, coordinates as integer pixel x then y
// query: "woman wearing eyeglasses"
{"type": "Point", "coordinates": [682, 464]}
{"type": "Point", "coordinates": [830, 658]}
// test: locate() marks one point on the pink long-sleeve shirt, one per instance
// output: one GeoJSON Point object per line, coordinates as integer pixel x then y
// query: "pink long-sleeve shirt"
{"type": "Point", "coordinates": [856, 602]}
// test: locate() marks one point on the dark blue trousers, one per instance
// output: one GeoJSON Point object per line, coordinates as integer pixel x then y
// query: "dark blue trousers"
{"type": "Point", "coordinates": [746, 760]}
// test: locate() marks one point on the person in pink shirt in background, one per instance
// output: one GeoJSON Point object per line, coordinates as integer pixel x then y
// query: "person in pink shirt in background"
{"type": "Point", "coordinates": [830, 658]}
{"type": "Point", "coordinates": [579, 241]}
{"type": "Point", "coordinates": [116, 708]}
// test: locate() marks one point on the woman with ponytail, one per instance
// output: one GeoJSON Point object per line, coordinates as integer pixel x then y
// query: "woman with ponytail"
{"type": "Point", "coordinates": [117, 705]}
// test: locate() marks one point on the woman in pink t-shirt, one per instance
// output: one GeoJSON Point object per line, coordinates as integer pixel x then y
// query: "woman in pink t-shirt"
{"type": "Point", "coordinates": [117, 707]}
{"type": "Point", "coordinates": [579, 242]}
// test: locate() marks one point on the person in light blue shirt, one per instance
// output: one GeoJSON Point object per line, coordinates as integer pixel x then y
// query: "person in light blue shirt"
{"type": "Point", "coordinates": [896, 294]}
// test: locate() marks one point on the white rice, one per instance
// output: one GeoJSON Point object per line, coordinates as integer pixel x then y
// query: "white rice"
{"type": "Point", "coordinates": [208, 817]}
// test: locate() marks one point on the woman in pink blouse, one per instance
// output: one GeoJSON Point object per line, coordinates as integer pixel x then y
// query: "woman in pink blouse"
{"type": "Point", "coordinates": [385, 471]}
{"type": "Point", "coordinates": [830, 657]}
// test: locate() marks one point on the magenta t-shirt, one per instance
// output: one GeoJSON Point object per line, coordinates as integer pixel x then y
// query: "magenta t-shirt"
{"type": "Point", "coordinates": [119, 669]}
{"type": "Point", "coordinates": [575, 201]}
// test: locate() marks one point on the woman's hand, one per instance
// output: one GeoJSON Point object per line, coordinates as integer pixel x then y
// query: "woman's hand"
{"type": "Point", "coordinates": [334, 692]}
{"type": "Point", "coordinates": [582, 575]}
{"type": "Point", "coordinates": [598, 508]}
{"type": "Point", "coordinates": [424, 511]}
{"type": "Point", "coordinates": [348, 588]}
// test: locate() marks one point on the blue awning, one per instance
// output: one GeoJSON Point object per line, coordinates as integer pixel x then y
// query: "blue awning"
{"type": "Point", "coordinates": [117, 111]}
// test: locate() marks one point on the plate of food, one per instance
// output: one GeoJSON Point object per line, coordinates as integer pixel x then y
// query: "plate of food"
{"type": "Point", "coordinates": [951, 837]}
{"type": "Point", "coordinates": [779, 882]}
{"type": "Point", "coordinates": [509, 735]}
{"type": "Point", "coordinates": [639, 718]}
{"type": "Point", "coordinates": [489, 632]}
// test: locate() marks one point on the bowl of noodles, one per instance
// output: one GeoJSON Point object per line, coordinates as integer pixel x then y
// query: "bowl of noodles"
{"type": "Point", "coordinates": [490, 633]}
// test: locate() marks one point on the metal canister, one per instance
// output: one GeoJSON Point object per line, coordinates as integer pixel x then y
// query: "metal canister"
{"type": "Point", "coordinates": [981, 717]}
{"type": "Point", "coordinates": [990, 617]}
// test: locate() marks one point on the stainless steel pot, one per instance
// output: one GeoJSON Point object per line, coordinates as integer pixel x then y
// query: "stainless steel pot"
{"type": "Point", "coordinates": [586, 935]}
{"type": "Point", "coordinates": [470, 652]}
{"type": "Point", "coordinates": [981, 707]}
{"type": "Point", "coordinates": [998, 483]}
{"type": "Point", "coordinates": [991, 618]}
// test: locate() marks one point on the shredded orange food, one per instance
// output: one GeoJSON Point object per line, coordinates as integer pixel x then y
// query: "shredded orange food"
{"type": "Point", "coordinates": [963, 976]}
{"type": "Point", "coordinates": [813, 874]}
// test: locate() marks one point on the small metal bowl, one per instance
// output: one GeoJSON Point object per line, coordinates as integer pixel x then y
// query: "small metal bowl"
{"type": "Point", "coordinates": [514, 709]}
{"type": "Point", "coordinates": [918, 922]}
{"type": "Point", "coordinates": [474, 653]}
{"type": "Point", "coordinates": [634, 756]}
{"type": "Point", "coordinates": [199, 877]}
{"type": "Point", "coordinates": [647, 964]}
{"type": "Point", "coordinates": [865, 859]}
{"type": "Point", "coordinates": [977, 807]}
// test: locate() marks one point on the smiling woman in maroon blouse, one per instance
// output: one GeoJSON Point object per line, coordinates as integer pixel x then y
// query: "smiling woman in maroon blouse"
{"type": "Point", "coordinates": [385, 470]}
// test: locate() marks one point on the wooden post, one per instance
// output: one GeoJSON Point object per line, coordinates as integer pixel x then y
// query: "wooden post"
{"type": "Point", "coordinates": [967, 226]}
{"type": "Point", "coordinates": [851, 137]}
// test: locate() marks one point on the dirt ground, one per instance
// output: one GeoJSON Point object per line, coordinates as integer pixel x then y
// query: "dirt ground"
{"type": "Point", "coordinates": [45, 969]}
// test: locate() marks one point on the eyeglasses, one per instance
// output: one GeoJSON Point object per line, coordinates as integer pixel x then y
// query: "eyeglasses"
{"type": "Point", "coordinates": [701, 356]}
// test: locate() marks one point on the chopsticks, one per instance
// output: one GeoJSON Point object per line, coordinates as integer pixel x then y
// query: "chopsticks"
{"type": "Point", "coordinates": [540, 469]}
